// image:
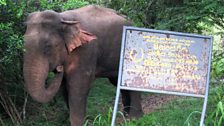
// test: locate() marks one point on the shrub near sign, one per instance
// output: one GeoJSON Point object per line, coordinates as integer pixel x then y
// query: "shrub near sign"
{"type": "Point", "coordinates": [165, 62]}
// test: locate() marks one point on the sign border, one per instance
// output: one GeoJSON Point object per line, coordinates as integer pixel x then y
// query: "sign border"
{"type": "Point", "coordinates": [119, 86]}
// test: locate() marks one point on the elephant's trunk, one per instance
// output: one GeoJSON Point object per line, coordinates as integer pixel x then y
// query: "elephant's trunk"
{"type": "Point", "coordinates": [35, 72]}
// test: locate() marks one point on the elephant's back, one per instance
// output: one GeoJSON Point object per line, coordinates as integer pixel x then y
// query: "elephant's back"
{"type": "Point", "coordinates": [107, 25]}
{"type": "Point", "coordinates": [93, 15]}
{"type": "Point", "coordinates": [92, 11]}
{"type": "Point", "coordinates": [96, 11]}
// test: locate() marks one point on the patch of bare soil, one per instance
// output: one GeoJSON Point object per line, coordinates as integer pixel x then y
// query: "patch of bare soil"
{"type": "Point", "coordinates": [153, 102]}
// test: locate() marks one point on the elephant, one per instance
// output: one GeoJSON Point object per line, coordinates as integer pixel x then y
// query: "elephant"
{"type": "Point", "coordinates": [78, 46]}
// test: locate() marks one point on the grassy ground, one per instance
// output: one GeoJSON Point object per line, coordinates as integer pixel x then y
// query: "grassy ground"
{"type": "Point", "coordinates": [55, 113]}
{"type": "Point", "coordinates": [101, 97]}
{"type": "Point", "coordinates": [175, 113]}
{"type": "Point", "coordinates": [183, 111]}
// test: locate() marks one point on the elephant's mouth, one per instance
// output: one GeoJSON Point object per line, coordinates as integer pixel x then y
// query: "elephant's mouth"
{"type": "Point", "coordinates": [52, 73]}
{"type": "Point", "coordinates": [56, 69]}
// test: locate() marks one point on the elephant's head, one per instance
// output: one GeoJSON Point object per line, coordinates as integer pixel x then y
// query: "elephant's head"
{"type": "Point", "coordinates": [49, 39]}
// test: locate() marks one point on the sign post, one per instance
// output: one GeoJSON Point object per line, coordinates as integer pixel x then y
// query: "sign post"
{"type": "Point", "coordinates": [164, 62]}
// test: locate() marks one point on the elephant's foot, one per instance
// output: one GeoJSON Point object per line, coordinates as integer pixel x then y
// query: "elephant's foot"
{"type": "Point", "coordinates": [133, 113]}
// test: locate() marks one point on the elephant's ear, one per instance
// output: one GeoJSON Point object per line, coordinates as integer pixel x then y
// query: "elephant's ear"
{"type": "Point", "coordinates": [75, 36]}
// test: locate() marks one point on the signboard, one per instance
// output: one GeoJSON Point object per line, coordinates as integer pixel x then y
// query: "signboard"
{"type": "Point", "coordinates": [165, 62]}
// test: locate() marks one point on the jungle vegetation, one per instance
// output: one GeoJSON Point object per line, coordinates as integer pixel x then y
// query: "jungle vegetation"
{"type": "Point", "coordinates": [191, 16]}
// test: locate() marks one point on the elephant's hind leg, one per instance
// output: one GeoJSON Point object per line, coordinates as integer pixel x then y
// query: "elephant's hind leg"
{"type": "Point", "coordinates": [131, 101]}
{"type": "Point", "coordinates": [65, 92]}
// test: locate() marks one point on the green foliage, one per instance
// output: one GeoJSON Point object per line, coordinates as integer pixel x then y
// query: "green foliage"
{"type": "Point", "coordinates": [191, 117]}
{"type": "Point", "coordinates": [175, 15]}
{"type": "Point", "coordinates": [72, 4]}
{"type": "Point", "coordinates": [105, 119]}
{"type": "Point", "coordinates": [11, 46]}
{"type": "Point", "coordinates": [100, 120]}
{"type": "Point", "coordinates": [217, 65]}
{"type": "Point", "coordinates": [2, 2]}
{"type": "Point", "coordinates": [198, 16]}
{"type": "Point", "coordinates": [59, 6]}
{"type": "Point", "coordinates": [216, 107]}
{"type": "Point", "coordinates": [12, 27]}
{"type": "Point", "coordinates": [46, 5]}
{"type": "Point", "coordinates": [135, 12]}
{"type": "Point", "coordinates": [219, 114]}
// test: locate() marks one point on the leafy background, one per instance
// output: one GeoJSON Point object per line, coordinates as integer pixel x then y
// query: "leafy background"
{"type": "Point", "coordinates": [193, 16]}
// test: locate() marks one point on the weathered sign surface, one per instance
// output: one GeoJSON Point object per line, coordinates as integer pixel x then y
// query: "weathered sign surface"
{"type": "Point", "coordinates": [165, 61]}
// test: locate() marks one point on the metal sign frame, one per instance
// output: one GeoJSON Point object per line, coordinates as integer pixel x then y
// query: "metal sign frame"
{"type": "Point", "coordinates": [119, 83]}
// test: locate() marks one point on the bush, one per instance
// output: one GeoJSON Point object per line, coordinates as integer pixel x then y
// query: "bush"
{"type": "Point", "coordinates": [11, 46]}
{"type": "Point", "coordinates": [12, 27]}
{"type": "Point", "coordinates": [216, 107]}
{"type": "Point", "coordinates": [158, 14]}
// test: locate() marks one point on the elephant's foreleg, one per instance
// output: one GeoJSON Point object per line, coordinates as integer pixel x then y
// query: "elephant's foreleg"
{"type": "Point", "coordinates": [77, 108]}
{"type": "Point", "coordinates": [78, 88]}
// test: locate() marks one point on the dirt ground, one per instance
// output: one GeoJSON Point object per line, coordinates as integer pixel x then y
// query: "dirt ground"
{"type": "Point", "coordinates": [152, 102]}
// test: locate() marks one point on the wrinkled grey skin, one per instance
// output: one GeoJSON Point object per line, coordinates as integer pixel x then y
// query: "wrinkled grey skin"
{"type": "Point", "coordinates": [78, 45]}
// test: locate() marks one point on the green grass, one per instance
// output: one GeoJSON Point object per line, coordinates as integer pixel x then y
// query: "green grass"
{"type": "Point", "coordinates": [186, 111]}
{"type": "Point", "coordinates": [101, 97]}
{"type": "Point", "coordinates": [183, 111]}
{"type": "Point", "coordinates": [54, 113]}
{"type": "Point", "coordinates": [175, 113]}
{"type": "Point", "coordinates": [100, 100]}
{"type": "Point", "coordinates": [215, 107]}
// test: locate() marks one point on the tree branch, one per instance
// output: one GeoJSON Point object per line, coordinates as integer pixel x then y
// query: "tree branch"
{"type": "Point", "coordinates": [1, 121]}
{"type": "Point", "coordinates": [218, 22]}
